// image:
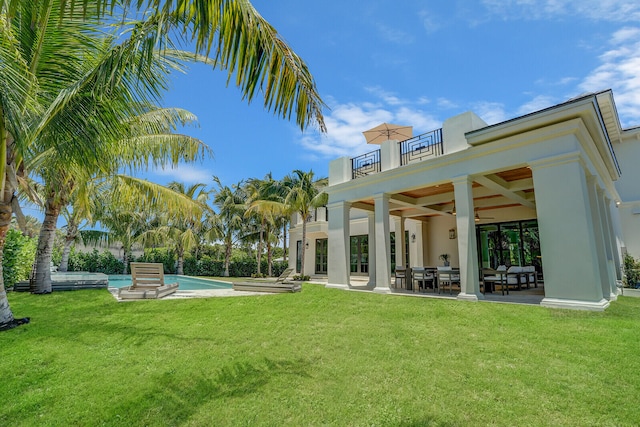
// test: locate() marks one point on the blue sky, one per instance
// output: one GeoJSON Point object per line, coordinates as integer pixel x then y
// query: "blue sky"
{"type": "Point", "coordinates": [412, 63]}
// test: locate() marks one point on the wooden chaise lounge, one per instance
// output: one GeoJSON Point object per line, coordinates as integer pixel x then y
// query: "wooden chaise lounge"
{"type": "Point", "coordinates": [147, 282]}
{"type": "Point", "coordinates": [281, 285]}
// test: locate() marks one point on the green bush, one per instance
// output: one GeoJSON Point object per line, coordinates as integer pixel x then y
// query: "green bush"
{"type": "Point", "coordinates": [631, 271]}
{"type": "Point", "coordinates": [19, 255]}
{"type": "Point", "coordinates": [95, 262]}
{"type": "Point", "coordinates": [162, 255]}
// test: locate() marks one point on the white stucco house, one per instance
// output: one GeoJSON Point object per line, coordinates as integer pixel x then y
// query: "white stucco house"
{"type": "Point", "coordinates": [557, 189]}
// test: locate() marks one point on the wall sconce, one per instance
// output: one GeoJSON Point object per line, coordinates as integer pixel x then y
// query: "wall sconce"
{"type": "Point", "coordinates": [413, 237]}
{"type": "Point", "coordinates": [306, 245]}
{"type": "Point", "coordinates": [452, 233]}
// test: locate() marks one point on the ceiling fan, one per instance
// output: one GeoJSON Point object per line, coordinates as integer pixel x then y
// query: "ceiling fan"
{"type": "Point", "coordinates": [476, 216]}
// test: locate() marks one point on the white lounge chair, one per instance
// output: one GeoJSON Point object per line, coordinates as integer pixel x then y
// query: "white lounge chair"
{"type": "Point", "coordinates": [281, 284]}
{"type": "Point", "coordinates": [147, 282]}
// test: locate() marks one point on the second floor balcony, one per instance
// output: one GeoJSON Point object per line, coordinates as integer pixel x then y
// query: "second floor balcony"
{"type": "Point", "coordinates": [393, 154]}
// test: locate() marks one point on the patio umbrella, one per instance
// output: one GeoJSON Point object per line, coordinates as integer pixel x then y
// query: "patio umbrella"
{"type": "Point", "coordinates": [387, 131]}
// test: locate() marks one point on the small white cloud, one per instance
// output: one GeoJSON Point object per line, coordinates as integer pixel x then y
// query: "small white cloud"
{"type": "Point", "coordinates": [394, 34]}
{"type": "Point", "coordinates": [620, 71]}
{"type": "Point", "coordinates": [490, 112]}
{"type": "Point", "coordinates": [187, 173]}
{"type": "Point", "coordinates": [346, 122]}
{"type": "Point", "coordinates": [597, 10]}
{"type": "Point", "coordinates": [539, 102]}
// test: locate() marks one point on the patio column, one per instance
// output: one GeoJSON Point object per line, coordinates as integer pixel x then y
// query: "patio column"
{"type": "Point", "coordinates": [592, 185]}
{"type": "Point", "coordinates": [467, 247]}
{"type": "Point", "coordinates": [567, 237]}
{"type": "Point", "coordinates": [339, 245]}
{"type": "Point", "coordinates": [401, 244]}
{"type": "Point", "coordinates": [383, 243]}
{"type": "Point", "coordinates": [607, 229]}
{"type": "Point", "coordinates": [417, 257]}
{"type": "Point", "coordinates": [372, 248]}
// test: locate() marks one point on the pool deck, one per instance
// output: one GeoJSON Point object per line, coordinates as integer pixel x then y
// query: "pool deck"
{"type": "Point", "coordinates": [204, 293]}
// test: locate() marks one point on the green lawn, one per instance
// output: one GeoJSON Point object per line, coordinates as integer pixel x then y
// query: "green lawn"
{"type": "Point", "coordinates": [319, 357]}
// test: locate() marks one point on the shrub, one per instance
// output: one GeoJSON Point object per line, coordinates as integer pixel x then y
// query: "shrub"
{"type": "Point", "coordinates": [19, 255]}
{"type": "Point", "coordinates": [163, 255]}
{"type": "Point", "coordinates": [632, 271]}
{"type": "Point", "coordinates": [95, 262]}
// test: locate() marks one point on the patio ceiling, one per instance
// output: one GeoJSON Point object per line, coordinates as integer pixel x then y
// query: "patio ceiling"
{"type": "Point", "coordinates": [499, 190]}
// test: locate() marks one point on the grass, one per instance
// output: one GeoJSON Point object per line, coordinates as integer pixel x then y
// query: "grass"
{"type": "Point", "coordinates": [319, 357]}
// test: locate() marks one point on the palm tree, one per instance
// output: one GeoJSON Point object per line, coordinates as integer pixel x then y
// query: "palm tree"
{"type": "Point", "coordinates": [304, 194]}
{"type": "Point", "coordinates": [266, 200]}
{"type": "Point", "coordinates": [179, 228]}
{"type": "Point", "coordinates": [230, 32]}
{"type": "Point", "coordinates": [149, 141]}
{"type": "Point", "coordinates": [35, 65]}
{"type": "Point", "coordinates": [231, 202]}
{"type": "Point", "coordinates": [42, 90]}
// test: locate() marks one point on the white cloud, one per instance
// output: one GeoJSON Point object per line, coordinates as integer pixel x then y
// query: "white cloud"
{"type": "Point", "coordinates": [539, 102]}
{"type": "Point", "coordinates": [346, 122]}
{"type": "Point", "coordinates": [394, 34]}
{"type": "Point", "coordinates": [187, 173]}
{"type": "Point", "coordinates": [620, 71]}
{"type": "Point", "coordinates": [597, 10]}
{"type": "Point", "coordinates": [490, 112]}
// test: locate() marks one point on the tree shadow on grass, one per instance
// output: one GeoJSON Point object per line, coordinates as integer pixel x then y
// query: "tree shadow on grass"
{"type": "Point", "coordinates": [173, 400]}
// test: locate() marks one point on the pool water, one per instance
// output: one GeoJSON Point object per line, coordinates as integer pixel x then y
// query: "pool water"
{"type": "Point", "coordinates": [187, 283]}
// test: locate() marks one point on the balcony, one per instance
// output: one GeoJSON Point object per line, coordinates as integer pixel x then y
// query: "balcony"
{"type": "Point", "coordinates": [412, 150]}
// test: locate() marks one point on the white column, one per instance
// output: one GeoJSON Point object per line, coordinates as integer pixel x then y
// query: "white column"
{"type": "Point", "coordinates": [339, 245]}
{"type": "Point", "coordinates": [401, 244]}
{"type": "Point", "coordinates": [383, 243]}
{"type": "Point", "coordinates": [372, 249]}
{"type": "Point", "coordinates": [417, 257]}
{"type": "Point", "coordinates": [467, 247]}
{"type": "Point", "coordinates": [567, 237]}
{"type": "Point", "coordinates": [607, 230]}
{"type": "Point", "coordinates": [611, 212]}
{"type": "Point", "coordinates": [597, 221]}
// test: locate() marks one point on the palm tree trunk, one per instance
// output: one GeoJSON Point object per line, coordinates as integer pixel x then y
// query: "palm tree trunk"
{"type": "Point", "coordinates": [269, 260]}
{"type": "Point", "coordinates": [260, 243]}
{"type": "Point", "coordinates": [42, 283]}
{"type": "Point", "coordinates": [7, 321]}
{"type": "Point", "coordinates": [72, 233]}
{"type": "Point", "coordinates": [227, 258]}
{"type": "Point", "coordinates": [304, 240]}
{"type": "Point", "coordinates": [284, 240]}
{"type": "Point", "coordinates": [66, 251]}
{"type": "Point", "coordinates": [125, 258]}
{"type": "Point", "coordinates": [180, 271]}
{"type": "Point", "coordinates": [6, 315]}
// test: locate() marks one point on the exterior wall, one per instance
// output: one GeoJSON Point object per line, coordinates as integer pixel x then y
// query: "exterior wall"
{"type": "Point", "coordinates": [628, 187]}
{"type": "Point", "coordinates": [571, 192]}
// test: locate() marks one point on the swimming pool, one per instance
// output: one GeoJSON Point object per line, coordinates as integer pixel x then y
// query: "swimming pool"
{"type": "Point", "coordinates": [187, 283]}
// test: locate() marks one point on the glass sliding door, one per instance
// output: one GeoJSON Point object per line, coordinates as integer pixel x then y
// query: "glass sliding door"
{"type": "Point", "coordinates": [359, 254]}
{"type": "Point", "coordinates": [321, 256]}
{"type": "Point", "coordinates": [509, 243]}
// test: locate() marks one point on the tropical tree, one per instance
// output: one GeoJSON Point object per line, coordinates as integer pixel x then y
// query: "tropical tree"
{"type": "Point", "coordinates": [266, 201]}
{"type": "Point", "coordinates": [231, 33]}
{"type": "Point", "coordinates": [231, 204]}
{"type": "Point", "coordinates": [304, 194]}
{"type": "Point", "coordinates": [149, 140]}
{"type": "Point", "coordinates": [42, 85]}
{"type": "Point", "coordinates": [181, 229]}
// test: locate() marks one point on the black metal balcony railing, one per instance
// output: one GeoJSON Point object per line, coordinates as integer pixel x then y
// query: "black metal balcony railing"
{"type": "Point", "coordinates": [417, 148]}
{"type": "Point", "coordinates": [365, 164]}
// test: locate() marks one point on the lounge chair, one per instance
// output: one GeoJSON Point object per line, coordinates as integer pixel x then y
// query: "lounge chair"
{"type": "Point", "coordinates": [147, 282]}
{"type": "Point", "coordinates": [281, 284]}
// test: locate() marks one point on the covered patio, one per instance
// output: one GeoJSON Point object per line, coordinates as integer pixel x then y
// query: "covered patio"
{"type": "Point", "coordinates": [552, 170]}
